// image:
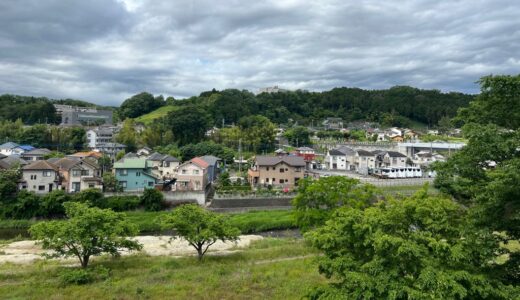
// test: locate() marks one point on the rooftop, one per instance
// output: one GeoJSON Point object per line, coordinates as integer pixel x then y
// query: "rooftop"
{"type": "Point", "coordinates": [40, 165]}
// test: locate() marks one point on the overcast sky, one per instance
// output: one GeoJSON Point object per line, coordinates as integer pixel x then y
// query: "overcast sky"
{"type": "Point", "coordinates": [104, 51]}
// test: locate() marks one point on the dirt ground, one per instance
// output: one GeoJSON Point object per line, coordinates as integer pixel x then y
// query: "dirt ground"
{"type": "Point", "coordinates": [28, 251]}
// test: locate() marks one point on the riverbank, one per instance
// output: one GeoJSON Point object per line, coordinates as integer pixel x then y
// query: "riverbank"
{"type": "Point", "coordinates": [27, 251]}
{"type": "Point", "coordinates": [266, 269]}
{"type": "Point", "coordinates": [248, 222]}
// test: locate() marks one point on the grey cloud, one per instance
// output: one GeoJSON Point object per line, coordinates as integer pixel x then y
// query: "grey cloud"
{"type": "Point", "coordinates": [104, 51]}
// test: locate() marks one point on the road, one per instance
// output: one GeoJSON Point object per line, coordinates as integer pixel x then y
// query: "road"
{"type": "Point", "coordinates": [376, 181]}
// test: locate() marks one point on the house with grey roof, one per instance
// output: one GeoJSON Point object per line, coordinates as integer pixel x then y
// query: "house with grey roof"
{"type": "Point", "coordinates": [164, 165]}
{"type": "Point", "coordinates": [36, 154]}
{"type": "Point", "coordinates": [279, 171]}
{"type": "Point", "coordinates": [341, 158]}
{"type": "Point", "coordinates": [79, 174]}
{"type": "Point", "coordinates": [15, 161]}
{"type": "Point", "coordinates": [40, 177]}
{"type": "Point", "coordinates": [213, 166]}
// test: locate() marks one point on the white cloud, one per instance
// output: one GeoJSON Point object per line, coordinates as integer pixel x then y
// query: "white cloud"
{"type": "Point", "coordinates": [104, 51]}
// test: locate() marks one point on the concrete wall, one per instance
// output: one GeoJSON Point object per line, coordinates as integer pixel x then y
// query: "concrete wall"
{"type": "Point", "coordinates": [251, 202]}
{"type": "Point", "coordinates": [172, 197]}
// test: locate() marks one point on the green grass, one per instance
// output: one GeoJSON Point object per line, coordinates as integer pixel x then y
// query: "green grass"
{"type": "Point", "coordinates": [158, 113]}
{"type": "Point", "coordinates": [259, 272]}
{"type": "Point", "coordinates": [247, 222]}
{"type": "Point", "coordinates": [406, 190]}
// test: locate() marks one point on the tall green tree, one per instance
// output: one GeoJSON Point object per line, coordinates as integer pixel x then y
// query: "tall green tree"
{"type": "Point", "coordinates": [139, 105]}
{"type": "Point", "coordinates": [188, 124]}
{"type": "Point", "coordinates": [87, 232]}
{"type": "Point", "coordinates": [415, 248]}
{"type": "Point", "coordinates": [298, 136]}
{"type": "Point", "coordinates": [484, 174]}
{"type": "Point", "coordinates": [127, 135]}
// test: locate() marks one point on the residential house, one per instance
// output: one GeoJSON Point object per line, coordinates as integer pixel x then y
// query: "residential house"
{"type": "Point", "coordinates": [79, 174]}
{"type": "Point", "coordinates": [283, 171]}
{"type": "Point", "coordinates": [365, 161]}
{"type": "Point", "coordinates": [397, 139]}
{"type": "Point", "coordinates": [135, 174]}
{"type": "Point", "coordinates": [307, 153]}
{"type": "Point", "coordinates": [333, 123]}
{"type": "Point", "coordinates": [35, 154]}
{"type": "Point", "coordinates": [192, 175]}
{"type": "Point", "coordinates": [393, 159]}
{"type": "Point", "coordinates": [425, 158]}
{"type": "Point", "coordinates": [213, 166]}
{"type": "Point", "coordinates": [83, 155]}
{"type": "Point", "coordinates": [340, 158]}
{"type": "Point", "coordinates": [163, 165]}
{"type": "Point", "coordinates": [15, 161]}
{"type": "Point", "coordinates": [40, 177]}
{"type": "Point", "coordinates": [11, 148]}
{"type": "Point", "coordinates": [145, 151]}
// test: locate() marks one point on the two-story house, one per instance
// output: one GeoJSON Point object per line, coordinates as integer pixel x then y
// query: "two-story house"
{"type": "Point", "coordinates": [340, 158]}
{"type": "Point", "coordinates": [35, 154]}
{"type": "Point", "coordinates": [163, 165]}
{"type": "Point", "coordinates": [280, 171]}
{"type": "Point", "coordinates": [192, 175]}
{"type": "Point", "coordinates": [79, 174]}
{"type": "Point", "coordinates": [213, 166]}
{"type": "Point", "coordinates": [393, 159]}
{"type": "Point", "coordinates": [135, 174]}
{"type": "Point", "coordinates": [11, 148]}
{"type": "Point", "coordinates": [40, 177]}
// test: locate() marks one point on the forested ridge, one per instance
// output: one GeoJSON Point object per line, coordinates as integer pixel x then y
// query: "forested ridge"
{"type": "Point", "coordinates": [395, 106]}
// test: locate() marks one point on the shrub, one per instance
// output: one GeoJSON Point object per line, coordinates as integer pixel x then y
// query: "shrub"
{"type": "Point", "coordinates": [152, 200]}
{"type": "Point", "coordinates": [122, 203]}
{"type": "Point", "coordinates": [93, 196]}
{"type": "Point", "coordinates": [84, 276]}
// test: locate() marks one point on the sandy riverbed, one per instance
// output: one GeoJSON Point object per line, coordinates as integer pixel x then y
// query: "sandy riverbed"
{"type": "Point", "coordinates": [28, 251]}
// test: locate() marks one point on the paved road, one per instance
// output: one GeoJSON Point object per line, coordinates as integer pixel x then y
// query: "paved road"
{"type": "Point", "coordinates": [376, 181]}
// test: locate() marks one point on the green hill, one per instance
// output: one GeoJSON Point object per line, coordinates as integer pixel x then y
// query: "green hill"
{"type": "Point", "coordinates": [158, 113]}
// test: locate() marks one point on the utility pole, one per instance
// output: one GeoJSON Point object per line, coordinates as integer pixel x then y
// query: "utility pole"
{"type": "Point", "coordinates": [240, 156]}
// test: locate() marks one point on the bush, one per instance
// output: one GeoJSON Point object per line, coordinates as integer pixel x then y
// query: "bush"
{"type": "Point", "coordinates": [94, 196]}
{"type": "Point", "coordinates": [122, 203]}
{"type": "Point", "coordinates": [152, 200]}
{"type": "Point", "coordinates": [83, 276]}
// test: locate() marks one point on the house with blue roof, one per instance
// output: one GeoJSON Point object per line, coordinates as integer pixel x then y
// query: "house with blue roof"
{"type": "Point", "coordinates": [11, 148]}
{"type": "Point", "coordinates": [135, 174]}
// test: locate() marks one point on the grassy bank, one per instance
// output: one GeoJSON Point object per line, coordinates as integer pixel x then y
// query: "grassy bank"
{"type": "Point", "coordinates": [247, 222]}
{"type": "Point", "coordinates": [269, 269]}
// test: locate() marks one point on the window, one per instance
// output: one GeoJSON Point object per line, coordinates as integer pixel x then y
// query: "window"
{"type": "Point", "coordinates": [196, 172]}
{"type": "Point", "coordinates": [91, 185]}
{"type": "Point", "coordinates": [267, 180]}
{"type": "Point", "coordinates": [267, 168]}
{"type": "Point", "coordinates": [150, 183]}
{"type": "Point", "coordinates": [123, 172]}
{"type": "Point", "coordinates": [123, 184]}
{"type": "Point", "coordinates": [76, 173]}
{"type": "Point", "coordinates": [281, 170]}
{"type": "Point", "coordinates": [84, 173]}
{"type": "Point", "coordinates": [33, 177]}
{"type": "Point", "coordinates": [274, 169]}
{"type": "Point", "coordinates": [297, 169]}
{"type": "Point", "coordinates": [281, 180]}
{"type": "Point", "coordinates": [274, 179]}
{"type": "Point", "coordinates": [41, 188]}
{"type": "Point", "coordinates": [137, 174]}
{"type": "Point", "coordinates": [394, 160]}
{"type": "Point", "coordinates": [184, 171]}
